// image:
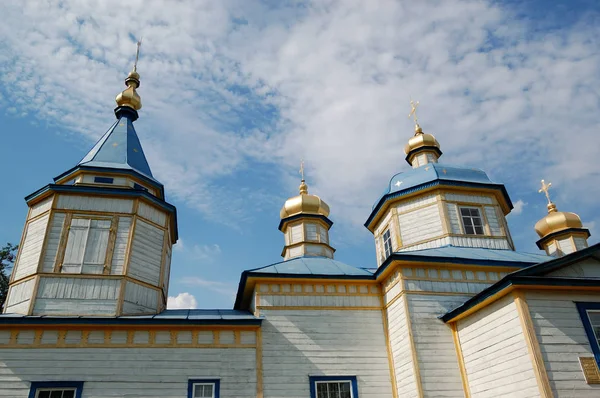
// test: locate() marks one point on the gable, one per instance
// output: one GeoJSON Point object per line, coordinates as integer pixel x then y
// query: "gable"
{"type": "Point", "coordinates": [587, 268]}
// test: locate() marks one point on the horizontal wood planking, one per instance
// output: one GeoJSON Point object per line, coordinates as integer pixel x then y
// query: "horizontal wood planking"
{"type": "Point", "coordinates": [478, 199]}
{"type": "Point", "coordinates": [146, 253]}
{"type": "Point", "coordinates": [53, 241]}
{"type": "Point", "coordinates": [147, 372]}
{"type": "Point", "coordinates": [152, 213]}
{"type": "Point", "coordinates": [495, 353]}
{"type": "Point", "coordinates": [120, 250]}
{"type": "Point", "coordinates": [41, 207]}
{"type": "Point", "coordinates": [421, 224]}
{"type": "Point", "coordinates": [63, 296]}
{"type": "Point", "coordinates": [562, 341]}
{"type": "Point", "coordinates": [139, 299]}
{"type": "Point", "coordinates": [109, 205]}
{"type": "Point", "coordinates": [445, 241]}
{"type": "Point", "coordinates": [434, 344]}
{"type": "Point", "coordinates": [297, 344]}
{"type": "Point", "coordinates": [401, 347]}
{"type": "Point", "coordinates": [33, 242]}
{"type": "Point", "coordinates": [319, 301]}
{"type": "Point", "coordinates": [486, 243]}
{"type": "Point", "coordinates": [19, 297]}
{"type": "Point", "coordinates": [588, 268]}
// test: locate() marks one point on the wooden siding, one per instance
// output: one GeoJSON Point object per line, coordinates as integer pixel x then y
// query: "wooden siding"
{"type": "Point", "coordinates": [497, 361]}
{"type": "Point", "coordinates": [139, 299]}
{"type": "Point", "coordinates": [130, 372]}
{"type": "Point", "coordinates": [406, 383]}
{"type": "Point", "coordinates": [146, 253]}
{"type": "Point", "coordinates": [413, 204]}
{"type": "Point", "coordinates": [580, 243]}
{"type": "Point", "coordinates": [84, 296]}
{"type": "Point", "coordinates": [491, 213]}
{"type": "Point", "coordinates": [53, 241]}
{"type": "Point", "coordinates": [455, 225]}
{"type": "Point", "coordinates": [421, 224]}
{"type": "Point", "coordinates": [33, 242]}
{"type": "Point", "coordinates": [41, 207]}
{"type": "Point", "coordinates": [428, 245]}
{"type": "Point", "coordinates": [588, 268]}
{"type": "Point", "coordinates": [299, 343]}
{"type": "Point", "coordinates": [109, 205]}
{"type": "Point", "coordinates": [478, 199]}
{"type": "Point", "coordinates": [319, 301]}
{"type": "Point", "coordinates": [562, 340]}
{"type": "Point", "coordinates": [566, 245]}
{"type": "Point", "coordinates": [487, 243]}
{"type": "Point", "coordinates": [120, 250]}
{"type": "Point", "coordinates": [434, 344]}
{"type": "Point", "coordinates": [19, 297]}
{"type": "Point", "coordinates": [152, 213]}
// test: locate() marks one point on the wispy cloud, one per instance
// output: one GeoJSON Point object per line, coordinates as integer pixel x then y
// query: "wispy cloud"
{"type": "Point", "coordinates": [232, 83]}
{"type": "Point", "coordinates": [519, 205]}
{"type": "Point", "coordinates": [227, 289]}
{"type": "Point", "coordinates": [182, 301]}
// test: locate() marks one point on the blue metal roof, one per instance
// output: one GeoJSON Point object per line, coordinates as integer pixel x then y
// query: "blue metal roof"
{"type": "Point", "coordinates": [317, 266]}
{"type": "Point", "coordinates": [119, 148]}
{"type": "Point", "coordinates": [472, 253]}
{"type": "Point", "coordinates": [170, 317]}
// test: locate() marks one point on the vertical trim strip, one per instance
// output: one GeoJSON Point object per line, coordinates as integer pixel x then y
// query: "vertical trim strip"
{"type": "Point", "coordinates": [388, 346]}
{"type": "Point", "coordinates": [533, 345]}
{"type": "Point", "coordinates": [259, 364]}
{"type": "Point", "coordinates": [413, 349]}
{"type": "Point", "coordinates": [461, 359]}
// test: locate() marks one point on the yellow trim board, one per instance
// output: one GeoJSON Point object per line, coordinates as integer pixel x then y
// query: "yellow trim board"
{"type": "Point", "coordinates": [461, 360]}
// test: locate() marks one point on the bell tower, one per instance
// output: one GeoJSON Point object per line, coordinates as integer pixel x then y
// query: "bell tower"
{"type": "Point", "coordinates": [97, 241]}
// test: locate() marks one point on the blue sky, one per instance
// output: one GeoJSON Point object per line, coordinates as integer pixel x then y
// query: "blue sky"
{"type": "Point", "coordinates": [235, 93]}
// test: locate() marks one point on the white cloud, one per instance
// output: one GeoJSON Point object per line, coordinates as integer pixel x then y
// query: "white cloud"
{"type": "Point", "coordinates": [518, 207]}
{"type": "Point", "coordinates": [336, 76]}
{"type": "Point", "coordinates": [182, 301]}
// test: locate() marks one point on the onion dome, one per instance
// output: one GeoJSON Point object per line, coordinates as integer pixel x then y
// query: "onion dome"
{"type": "Point", "coordinates": [422, 148]}
{"type": "Point", "coordinates": [304, 203]}
{"type": "Point", "coordinates": [556, 221]}
{"type": "Point", "coordinates": [129, 97]}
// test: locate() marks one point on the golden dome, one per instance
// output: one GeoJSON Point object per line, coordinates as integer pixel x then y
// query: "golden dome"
{"type": "Point", "coordinates": [304, 204]}
{"type": "Point", "coordinates": [420, 140]}
{"type": "Point", "coordinates": [129, 97]}
{"type": "Point", "coordinates": [556, 221]}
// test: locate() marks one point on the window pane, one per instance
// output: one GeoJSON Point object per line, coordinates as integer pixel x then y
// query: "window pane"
{"type": "Point", "coordinates": [479, 230]}
{"type": "Point", "coordinates": [43, 394]}
{"type": "Point", "coordinates": [387, 243]}
{"type": "Point", "coordinates": [208, 390]}
{"type": "Point", "coordinates": [345, 387]}
{"type": "Point", "coordinates": [469, 229]}
{"type": "Point", "coordinates": [56, 394]}
{"type": "Point", "coordinates": [465, 211]}
{"type": "Point", "coordinates": [68, 394]}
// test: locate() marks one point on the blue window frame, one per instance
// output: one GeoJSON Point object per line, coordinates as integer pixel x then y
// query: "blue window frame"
{"type": "Point", "coordinates": [204, 388]}
{"type": "Point", "coordinates": [333, 387]}
{"type": "Point", "coordinates": [590, 316]}
{"type": "Point", "coordinates": [104, 180]}
{"type": "Point", "coordinates": [66, 389]}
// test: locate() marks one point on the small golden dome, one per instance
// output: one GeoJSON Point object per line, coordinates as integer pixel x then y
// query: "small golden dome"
{"type": "Point", "coordinates": [420, 140]}
{"type": "Point", "coordinates": [304, 204]}
{"type": "Point", "coordinates": [129, 97]}
{"type": "Point", "coordinates": [556, 221]}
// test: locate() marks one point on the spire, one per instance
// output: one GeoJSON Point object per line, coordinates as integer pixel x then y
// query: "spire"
{"type": "Point", "coordinates": [129, 97]}
{"type": "Point", "coordinates": [303, 188]}
{"type": "Point", "coordinates": [560, 232]}
{"type": "Point", "coordinates": [422, 148]}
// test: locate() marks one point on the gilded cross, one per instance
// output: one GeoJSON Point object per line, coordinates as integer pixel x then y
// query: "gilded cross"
{"type": "Point", "coordinates": [545, 187]}
{"type": "Point", "coordinates": [413, 111]}
{"type": "Point", "coordinates": [302, 169]}
{"type": "Point", "coordinates": [137, 54]}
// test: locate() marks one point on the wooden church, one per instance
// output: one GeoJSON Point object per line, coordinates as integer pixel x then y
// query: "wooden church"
{"type": "Point", "coordinates": [452, 309]}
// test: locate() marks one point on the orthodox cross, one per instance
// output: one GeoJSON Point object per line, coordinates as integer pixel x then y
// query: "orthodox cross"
{"type": "Point", "coordinates": [137, 54]}
{"type": "Point", "coordinates": [302, 169]}
{"type": "Point", "coordinates": [413, 111]}
{"type": "Point", "coordinates": [545, 187]}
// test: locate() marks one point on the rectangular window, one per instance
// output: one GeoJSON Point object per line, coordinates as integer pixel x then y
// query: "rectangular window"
{"type": "Point", "coordinates": [333, 387]}
{"type": "Point", "coordinates": [103, 180]}
{"type": "Point", "coordinates": [387, 243]}
{"type": "Point", "coordinates": [472, 222]}
{"type": "Point", "coordinates": [56, 389]}
{"type": "Point", "coordinates": [203, 388]}
{"type": "Point", "coordinates": [87, 243]}
{"type": "Point", "coordinates": [590, 316]}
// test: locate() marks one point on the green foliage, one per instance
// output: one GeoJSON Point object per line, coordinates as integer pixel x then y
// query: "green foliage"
{"type": "Point", "coordinates": [7, 259]}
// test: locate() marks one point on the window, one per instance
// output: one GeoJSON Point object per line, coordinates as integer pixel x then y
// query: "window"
{"type": "Point", "coordinates": [203, 389]}
{"type": "Point", "coordinates": [590, 316]}
{"type": "Point", "coordinates": [333, 387]}
{"type": "Point", "coordinates": [471, 219]}
{"type": "Point", "coordinates": [311, 232]}
{"type": "Point", "coordinates": [140, 187]}
{"type": "Point", "coordinates": [387, 243]}
{"type": "Point", "coordinates": [103, 180]}
{"type": "Point", "coordinates": [56, 389]}
{"type": "Point", "coordinates": [87, 243]}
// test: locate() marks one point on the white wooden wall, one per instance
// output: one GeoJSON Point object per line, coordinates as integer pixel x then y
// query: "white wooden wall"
{"type": "Point", "coordinates": [110, 205]}
{"type": "Point", "coordinates": [562, 340]}
{"type": "Point", "coordinates": [146, 252]}
{"type": "Point", "coordinates": [19, 297]}
{"type": "Point", "coordinates": [139, 299]}
{"type": "Point", "coordinates": [406, 382]}
{"type": "Point", "coordinates": [497, 361]}
{"type": "Point", "coordinates": [299, 343]}
{"type": "Point", "coordinates": [31, 249]}
{"type": "Point", "coordinates": [130, 372]}
{"type": "Point", "coordinates": [83, 296]}
{"type": "Point", "coordinates": [120, 250]}
{"type": "Point", "coordinates": [588, 268]}
{"type": "Point", "coordinates": [421, 224]}
{"type": "Point", "coordinates": [53, 241]}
